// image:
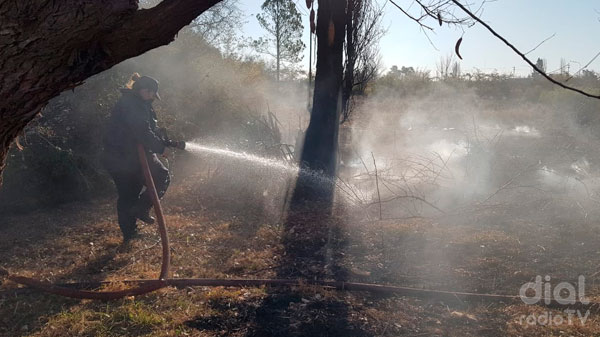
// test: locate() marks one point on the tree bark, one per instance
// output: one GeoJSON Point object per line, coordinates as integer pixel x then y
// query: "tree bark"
{"type": "Point", "coordinates": [278, 40]}
{"type": "Point", "coordinates": [319, 154]}
{"type": "Point", "coordinates": [348, 83]}
{"type": "Point", "coordinates": [48, 46]}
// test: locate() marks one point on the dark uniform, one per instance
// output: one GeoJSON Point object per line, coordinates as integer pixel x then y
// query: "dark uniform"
{"type": "Point", "coordinates": [133, 122]}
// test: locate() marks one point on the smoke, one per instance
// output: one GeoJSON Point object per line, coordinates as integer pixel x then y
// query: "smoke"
{"type": "Point", "coordinates": [240, 125]}
{"type": "Point", "coordinates": [474, 155]}
{"type": "Point", "coordinates": [209, 96]}
{"type": "Point", "coordinates": [447, 150]}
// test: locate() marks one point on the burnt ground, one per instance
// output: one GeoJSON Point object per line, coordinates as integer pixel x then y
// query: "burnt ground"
{"type": "Point", "coordinates": [224, 239]}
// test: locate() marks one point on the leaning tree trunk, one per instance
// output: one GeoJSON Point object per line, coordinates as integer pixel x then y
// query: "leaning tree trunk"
{"type": "Point", "coordinates": [319, 154]}
{"type": "Point", "coordinates": [47, 47]}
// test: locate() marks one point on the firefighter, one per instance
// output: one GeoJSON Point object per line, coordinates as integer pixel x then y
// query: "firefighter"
{"type": "Point", "coordinates": [133, 122]}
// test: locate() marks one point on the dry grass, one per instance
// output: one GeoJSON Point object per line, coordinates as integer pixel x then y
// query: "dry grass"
{"type": "Point", "coordinates": [82, 242]}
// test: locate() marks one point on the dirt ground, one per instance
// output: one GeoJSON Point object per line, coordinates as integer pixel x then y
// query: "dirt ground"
{"type": "Point", "coordinates": [81, 242]}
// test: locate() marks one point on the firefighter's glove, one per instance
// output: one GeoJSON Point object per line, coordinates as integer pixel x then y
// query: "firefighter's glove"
{"type": "Point", "coordinates": [176, 144]}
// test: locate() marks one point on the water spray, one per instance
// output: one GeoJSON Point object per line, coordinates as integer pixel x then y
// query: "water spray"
{"type": "Point", "coordinates": [262, 161]}
{"type": "Point", "coordinates": [141, 287]}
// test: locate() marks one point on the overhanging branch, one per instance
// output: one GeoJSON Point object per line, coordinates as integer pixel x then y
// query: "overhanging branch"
{"type": "Point", "coordinates": [522, 55]}
{"type": "Point", "coordinates": [417, 20]}
{"type": "Point", "coordinates": [153, 27]}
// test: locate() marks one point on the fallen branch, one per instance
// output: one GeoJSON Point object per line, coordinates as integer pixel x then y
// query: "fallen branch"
{"type": "Point", "coordinates": [377, 184]}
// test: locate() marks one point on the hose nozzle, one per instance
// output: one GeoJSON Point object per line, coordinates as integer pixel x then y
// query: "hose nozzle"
{"type": "Point", "coordinates": [178, 144]}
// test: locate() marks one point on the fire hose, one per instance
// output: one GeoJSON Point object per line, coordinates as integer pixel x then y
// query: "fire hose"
{"type": "Point", "coordinates": [144, 286]}
{"type": "Point", "coordinates": [160, 219]}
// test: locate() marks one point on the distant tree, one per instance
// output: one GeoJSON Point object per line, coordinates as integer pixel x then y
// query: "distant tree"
{"type": "Point", "coordinates": [283, 23]}
{"type": "Point", "coordinates": [219, 22]}
{"type": "Point", "coordinates": [541, 64]}
{"type": "Point", "coordinates": [403, 81]}
{"type": "Point", "coordinates": [456, 72]}
{"type": "Point", "coordinates": [564, 67]}
{"type": "Point", "coordinates": [448, 68]}
{"type": "Point", "coordinates": [407, 71]}
{"type": "Point", "coordinates": [589, 75]}
{"type": "Point", "coordinates": [402, 72]}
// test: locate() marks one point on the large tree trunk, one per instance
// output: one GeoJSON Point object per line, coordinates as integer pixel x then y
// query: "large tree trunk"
{"type": "Point", "coordinates": [48, 46]}
{"type": "Point", "coordinates": [308, 225]}
{"type": "Point", "coordinates": [319, 154]}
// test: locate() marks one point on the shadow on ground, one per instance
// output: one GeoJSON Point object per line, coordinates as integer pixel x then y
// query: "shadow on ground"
{"type": "Point", "coordinates": [312, 247]}
{"type": "Point", "coordinates": [20, 315]}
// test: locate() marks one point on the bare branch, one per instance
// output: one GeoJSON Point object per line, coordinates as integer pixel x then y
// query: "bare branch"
{"type": "Point", "coordinates": [584, 67]}
{"type": "Point", "coordinates": [541, 72]}
{"type": "Point", "coordinates": [439, 8]}
{"type": "Point", "coordinates": [429, 39]}
{"type": "Point", "coordinates": [539, 44]}
{"type": "Point", "coordinates": [410, 16]}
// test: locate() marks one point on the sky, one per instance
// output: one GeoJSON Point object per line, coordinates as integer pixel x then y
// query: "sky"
{"type": "Point", "coordinates": [525, 23]}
